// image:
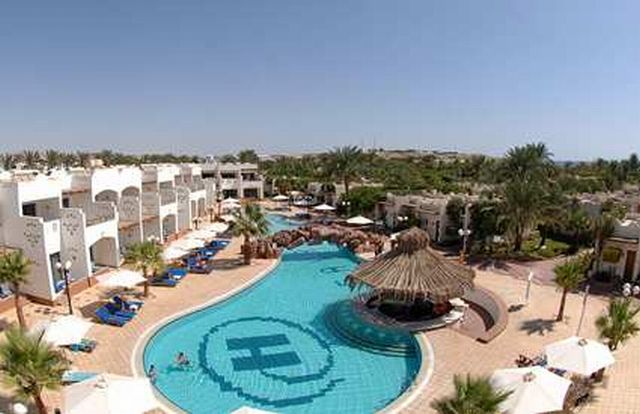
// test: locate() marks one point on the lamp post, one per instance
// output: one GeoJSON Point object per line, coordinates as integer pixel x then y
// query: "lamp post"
{"type": "Point", "coordinates": [64, 272]}
{"type": "Point", "coordinates": [402, 219]}
{"type": "Point", "coordinates": [347, 205]}
{"type": "Point", "coordinates": [210, 210]}
{"type": "Point", "coordinates": [465, 232]}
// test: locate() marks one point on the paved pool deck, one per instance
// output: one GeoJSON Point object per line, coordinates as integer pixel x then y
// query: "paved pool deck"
{"type": "Point", "coordinates": [528, 330]}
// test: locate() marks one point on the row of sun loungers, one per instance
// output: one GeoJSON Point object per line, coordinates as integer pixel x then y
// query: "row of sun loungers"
{"type": "Point", "coordinates": [118, 312]}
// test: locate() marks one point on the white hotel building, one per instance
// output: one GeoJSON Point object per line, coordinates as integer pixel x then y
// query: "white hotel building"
{"type": "Point", "coordinates": [90, 217]}
{"type": "Point", "coordinates": [236, 180]}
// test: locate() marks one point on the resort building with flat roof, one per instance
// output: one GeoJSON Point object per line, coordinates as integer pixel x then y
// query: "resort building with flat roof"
{"type": "Point", "coordinates": [90, 217]}
{"type": "Point", "coordinates": [235, 180]}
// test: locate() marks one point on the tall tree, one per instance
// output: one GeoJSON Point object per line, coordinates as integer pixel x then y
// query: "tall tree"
{"type": "Point", "coordinates": [603, 227]}
{"type": "Point", "coordinates": [30, 365]}
{"type": "Point", "coordinates": [618, 324]}
{"type": "Point", "coordinates": [147, 258]}
{"type": "Point", "coordinates": [14, 271]}
{"type": "Point", "coordinates": [345, 164]}
{"type": "Point", "coordinates": [248, 156]}
{"type": "Point", "coordinates": [526, 171]}
{"type": "Point", "coordinates": [8, 161]}
{"type": "Point", "coordinates": [471, 396]}
{"type": "Point", "coordinates": [31, 158]}
{"type": "Point", "coordinates": [250, 222]}
{"type": "Point", "coordinates": [52, 158]}
{"type": "Point", "coordinates": [569, 275]}
{"type": "Point", "coordinates": [83, 158]}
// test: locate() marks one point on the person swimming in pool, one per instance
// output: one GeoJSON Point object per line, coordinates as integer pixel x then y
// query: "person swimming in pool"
{"type": "Point", "coordinates": [182, 360]}
{"type": "Point", "coordinates": [152, 374]}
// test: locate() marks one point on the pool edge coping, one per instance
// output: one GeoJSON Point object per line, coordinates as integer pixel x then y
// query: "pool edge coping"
{"type": "Point", "coordinates": [420, 382]}
{"type": "Point", "coordinates": [137, 360]}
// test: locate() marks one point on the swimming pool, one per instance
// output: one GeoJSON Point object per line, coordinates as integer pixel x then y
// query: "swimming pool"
{"type": "Point", "coordinates": [272, 347]}
{"type": "Point", "coordinates": [278, 222]}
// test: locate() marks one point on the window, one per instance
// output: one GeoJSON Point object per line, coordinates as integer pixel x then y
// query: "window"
{"type": "Point", "coordinates": [29, 209]}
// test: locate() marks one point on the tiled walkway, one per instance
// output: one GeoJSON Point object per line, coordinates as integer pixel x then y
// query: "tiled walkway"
{"type": "Point", "coordinates": [529, 329]}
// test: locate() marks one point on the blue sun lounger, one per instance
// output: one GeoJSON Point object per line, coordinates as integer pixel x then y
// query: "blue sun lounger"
{"type": "Point", "coordinates": [72, 377]}
{"type": "Point", "coordinates": [104, 316]}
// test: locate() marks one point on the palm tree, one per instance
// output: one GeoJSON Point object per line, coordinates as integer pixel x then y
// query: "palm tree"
{"type": "Point", "coordinates": [30, 158]}
{"type": "Point", "coordinates": [31, 365]}
{"type": "Point", "coordinates": [472, 396]}
{"type": "Point", "coordinates": [14, 271]}
{"type": "Point", "coordinates": [52, 158]}
{"type": "Point", "coordinates": [344, 164]}
{"type": "Point", "coordinates": [8, 161]}
{"type": "Point", "coordinates": [250, 222]}
{"type": "Point", "coordinates": [603, 227]}
{"type": "Point", "coordinates": [569, 275]}
{"type": "Point", "coordinates": [68, 159]}
{"type": "Point", "coordinates": [83, 159]}
{"type": "Point", "coordinates": [147, 258]}
{"type": "Point", "coordinates": [522, 208]}
{"type": "Point", "coordinates": [526, 170]}
{"type": "Point", "coordinates": [619, 323]}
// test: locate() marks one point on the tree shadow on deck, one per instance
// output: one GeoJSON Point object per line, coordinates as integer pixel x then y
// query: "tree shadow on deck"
{"type": "Point", "coordinates": [227, 264]}
{"type": "Point", "coordinates": [538, 326]}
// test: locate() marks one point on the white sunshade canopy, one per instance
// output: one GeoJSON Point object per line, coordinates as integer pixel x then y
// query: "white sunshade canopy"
{"type": "Point", "coordinates": [65, 330]}
{"type": "Point", "coordinates": [173, 252]}
{"type": "Point", "coordinates": [324, 207]}
{"type": "Point", "coordinates": [203, 234]}
{"type": "Point", "coordinates": [110, 394]}
{"type": "Point", "coordinates": [189, 243]}
{"type": "Point", "coordinates": [230, 201]}
{"type": "Point", "coordinates": [578, 355]}
{"type": "Point", "coordinates": [280, 197]}
{"type": "Point", "coordinates": [121, 278]}
{"type": "Point", "coordinates": [359, 221]}
{"type": "Point", "coordinates": [217, 227]}
{"type": "Point", "coordinates": [534, 390]}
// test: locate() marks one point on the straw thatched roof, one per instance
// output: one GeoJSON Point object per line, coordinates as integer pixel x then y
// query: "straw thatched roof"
{"type": "Point", "coordinates": [413, 270]}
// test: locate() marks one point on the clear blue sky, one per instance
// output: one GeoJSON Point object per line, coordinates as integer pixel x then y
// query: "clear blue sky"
{"type": "Point", "coordinates": [217, 76]}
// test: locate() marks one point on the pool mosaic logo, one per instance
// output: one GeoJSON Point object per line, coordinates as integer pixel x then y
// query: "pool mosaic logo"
{"type": "Point", "coordinates": [293, 362]}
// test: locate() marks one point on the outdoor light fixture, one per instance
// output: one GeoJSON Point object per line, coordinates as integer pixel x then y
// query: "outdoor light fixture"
{"type": "Point", "coordinates": [64, 269]}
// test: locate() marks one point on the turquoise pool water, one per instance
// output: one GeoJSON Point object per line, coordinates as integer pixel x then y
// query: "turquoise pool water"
{"type": "Point", "coordinates": [272, 347]}
{"type": "Point", "coordinates": [279, 222]}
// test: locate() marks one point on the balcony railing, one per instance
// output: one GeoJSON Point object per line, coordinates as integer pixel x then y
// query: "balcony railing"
{"type": "Point", "coordinates": [252, 183]}
{"type": "Point", "coordinates": [197, 186]}
{"type": "Point", "coordinates": [100, 212]}
{"type": "Point", "coordinates": [167, 196]}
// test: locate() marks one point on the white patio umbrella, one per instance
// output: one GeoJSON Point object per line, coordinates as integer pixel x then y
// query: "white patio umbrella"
{"type": "Point", "coordinates": [230, 200]}
{"type": "Point", "coordinates": [534, 390]}
{"type": "Point", "coordinates": [173, 252]}
{"type": "Point", "coordinates": [218, 227]}
{"type": "Point", "coordinates": [188, 243]}
{"type": "Point", "coordinates": [203, 234]}
{"type": "Point", "coordinates": [359, 221]}
{"type": "Point", "coordinates": [121, 278]}
{"type": "Point", "coordinates": [110, 394]}
{"type": "Point", "coordinates": [324, 207]}
{"type": "Point", "coordinates": [280, 197]}
{"type": "Point", "coordinates": [65, 330]}
{"type": "Point", "coordinates": [578, 355]}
